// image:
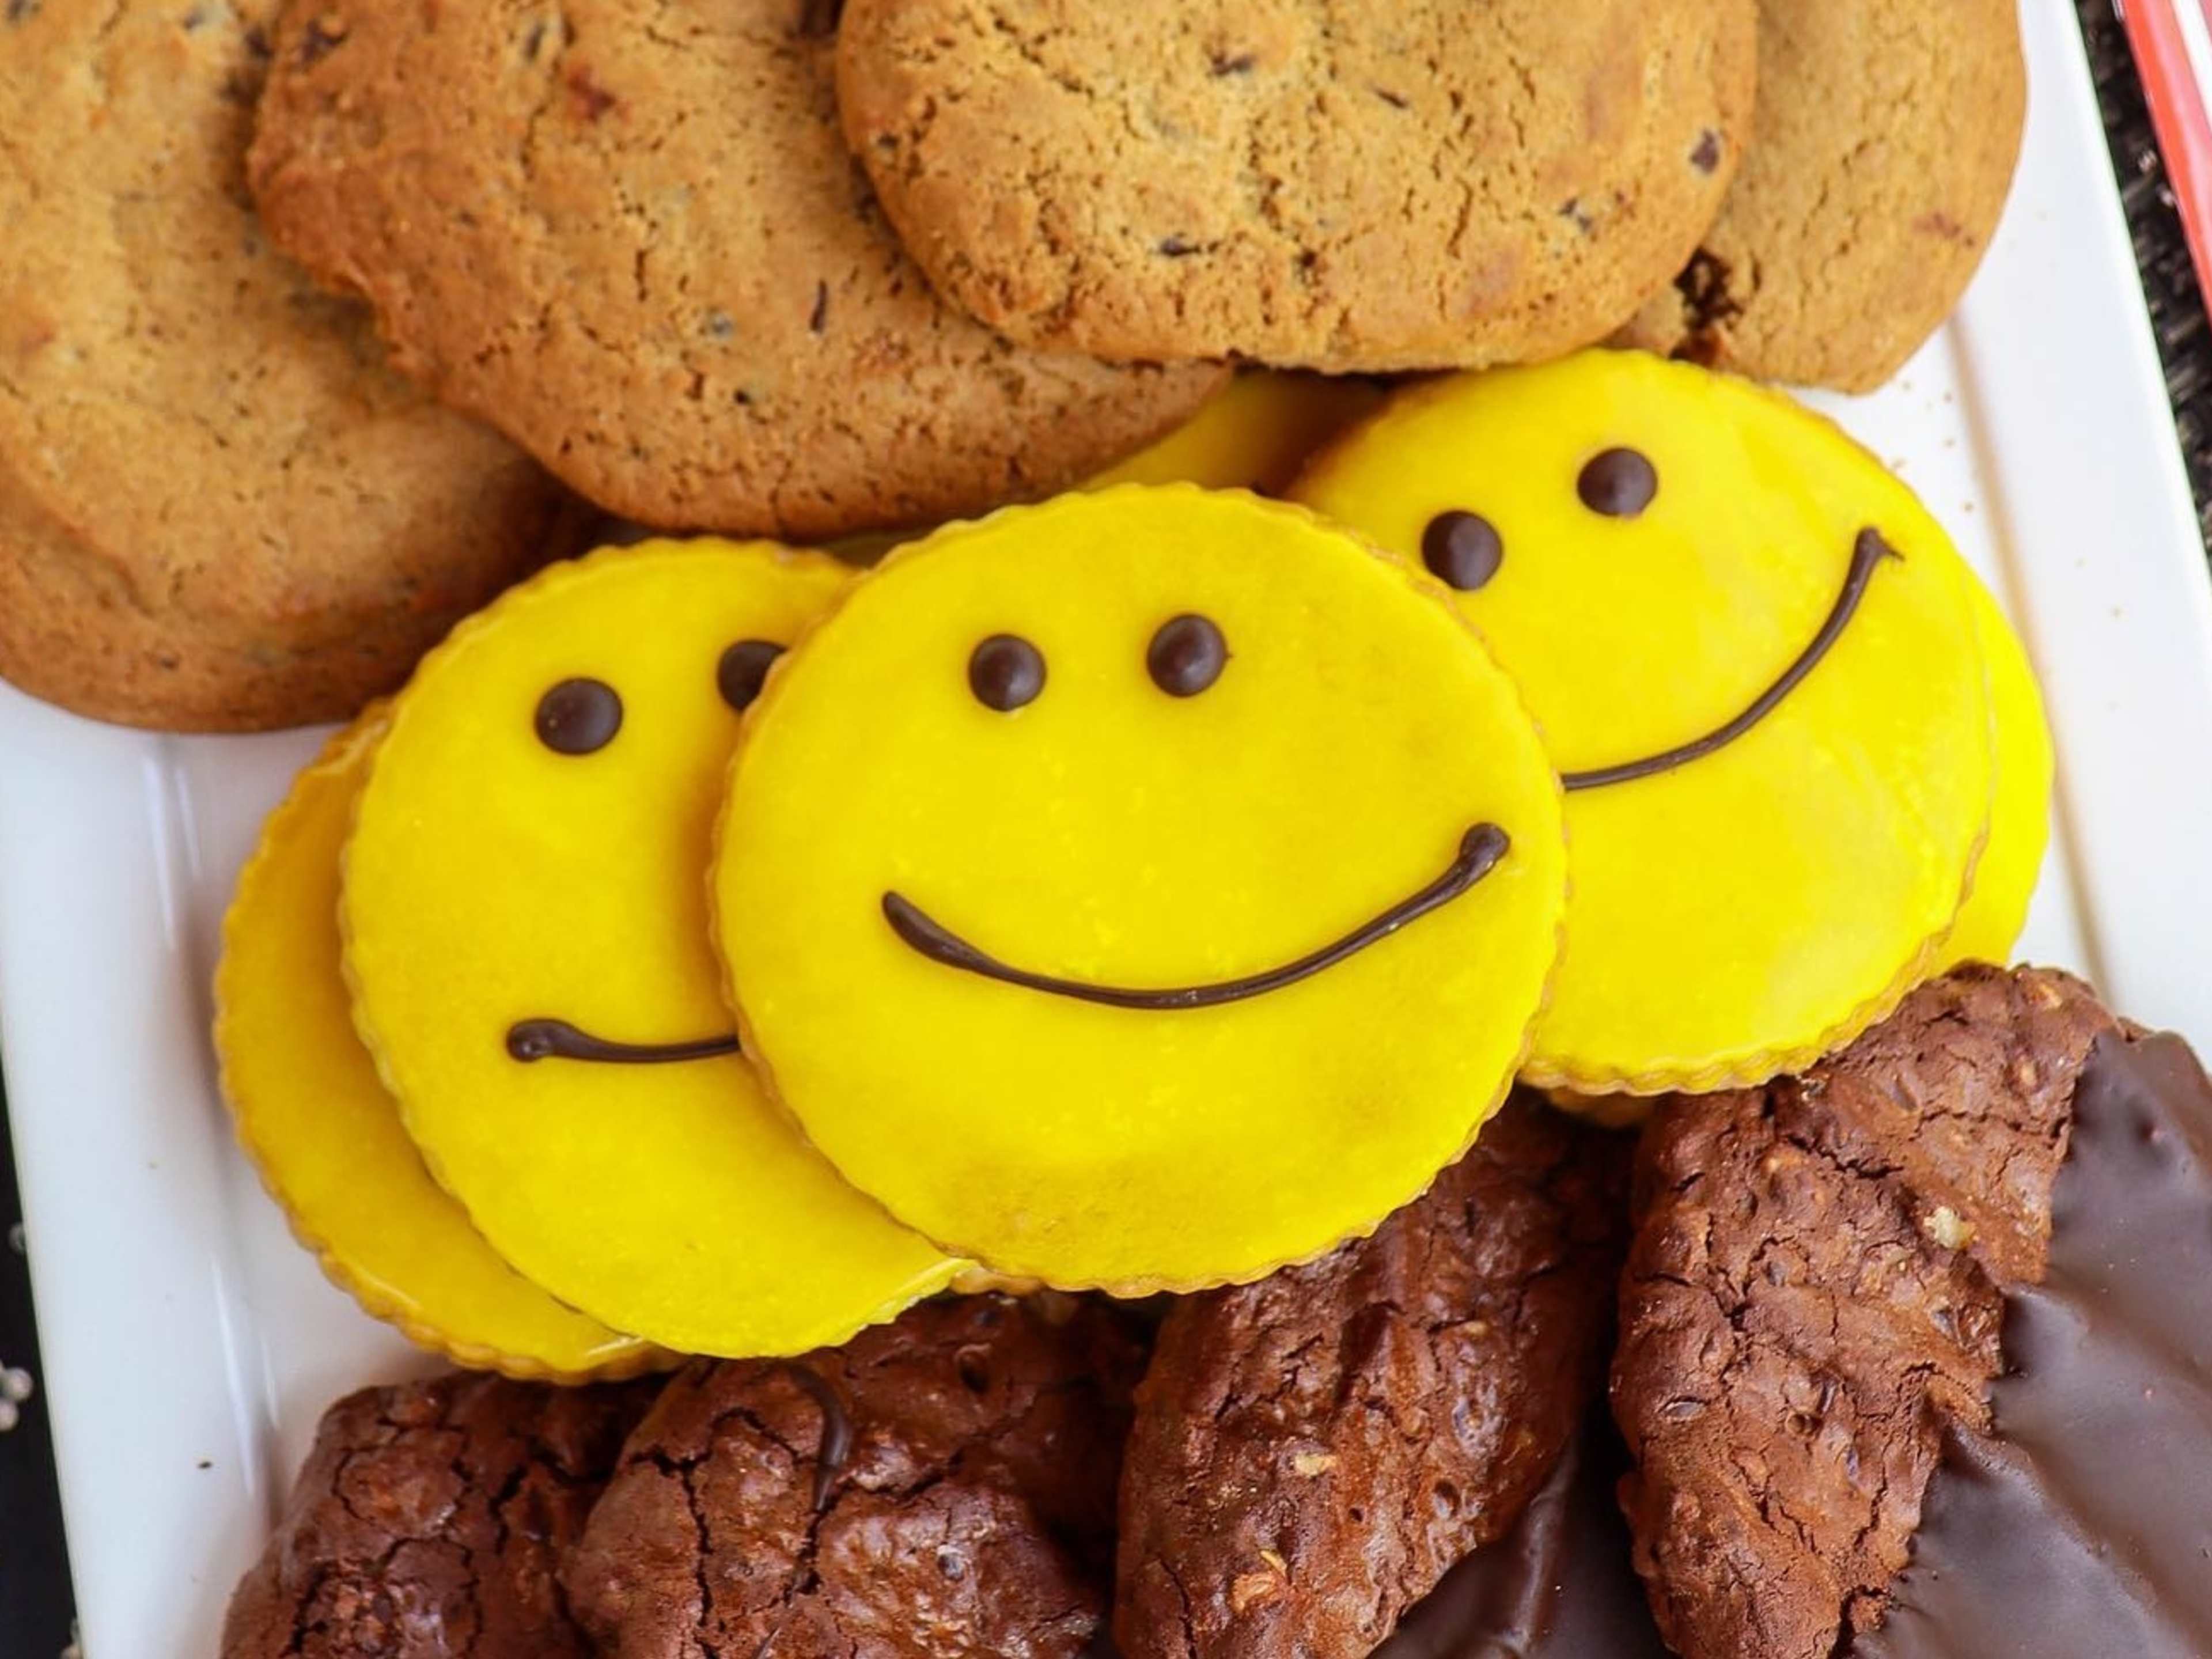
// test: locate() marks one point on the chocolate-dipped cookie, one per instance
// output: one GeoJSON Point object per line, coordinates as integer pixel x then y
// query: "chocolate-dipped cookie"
{"type": "Point", "coordinates": [1916, 1347]}
{"type": "Point", "coordinates": [1312, 1452]}
{"type": "Point", "coordinates": [938, 1486]}
{"type": "Point", "coordinates": [430, 1519]}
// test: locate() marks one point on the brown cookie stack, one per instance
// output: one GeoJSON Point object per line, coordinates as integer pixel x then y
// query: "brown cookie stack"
{"type": "Point", "coordinates": [1914, 1350]}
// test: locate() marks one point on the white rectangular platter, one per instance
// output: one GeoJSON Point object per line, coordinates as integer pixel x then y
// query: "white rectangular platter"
{"type": "Point", "coordinates": [189, 1346]}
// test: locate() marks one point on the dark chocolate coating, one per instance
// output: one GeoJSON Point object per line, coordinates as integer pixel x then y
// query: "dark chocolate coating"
{"type": "Point", "coordinates": [1559, 1586]}
{"type": "Point", "coordinates": [532, 1039]}
{"type": "Point", "coordinates": [1480, 851]}
{"type": "Point", "coordinates": [2082, 1524]}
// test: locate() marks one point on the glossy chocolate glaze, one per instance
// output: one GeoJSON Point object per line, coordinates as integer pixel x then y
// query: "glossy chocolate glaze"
{"type": "Point", "coordinates": [2085, 1526]}
{"type": "Point", "coordinates": [1866, 553]}
{"type": "Point", "coordinates": [531, 1039]}
{"type": "Point", "coordinates": [836, 1442]}
{"type": "Point", "coordinates": [1480, 851]}
{"type": "Point", "coordinates": [1559, 1586]}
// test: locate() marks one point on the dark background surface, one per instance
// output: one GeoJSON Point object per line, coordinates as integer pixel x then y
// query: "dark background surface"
{"type": "Point", "coordinates": [34, 1593]}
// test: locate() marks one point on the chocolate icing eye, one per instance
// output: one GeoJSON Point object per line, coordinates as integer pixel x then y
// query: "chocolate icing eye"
{"type": "Point", "coordinates": [1186, 656]}
{"type": "Point", "coordinates": [1462, 550]}
{"type": "Point", "coordinates": [1618, 482]}
{"type": "Point", "coordinates": [578, 717]}
{"type": "Point", "coordinates": [1005, 671]}
{"type": "Point", "coordinates": [742, 669]}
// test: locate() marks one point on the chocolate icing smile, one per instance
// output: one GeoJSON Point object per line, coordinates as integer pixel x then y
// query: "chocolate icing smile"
{"type": "Point", "coordinates": [1867, 552]}
{"type": "Point", "coordinates": [1480, 851]}
{"type": "Point", "coordinates": [529, 1040]}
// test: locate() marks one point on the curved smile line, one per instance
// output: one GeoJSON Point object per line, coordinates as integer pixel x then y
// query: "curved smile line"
{"type": "Point", "coordinates": [1869, 551]}
{"type": "Point", "coordinates": [1480, 851]}
{"type": "Point", "coordinates": [529, 1039]}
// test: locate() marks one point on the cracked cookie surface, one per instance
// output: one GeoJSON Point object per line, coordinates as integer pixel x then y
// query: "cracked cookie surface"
{"type": "Point", "coordinates": [627, 232]}
{"type": "Point", "coordinates": [1336, 183]}
{"type": "Point", "coordinates": [1881, 151]}
{"type": "Point", "coordinates": [938, 1488]}
{"type": "Point", "coordinates": [219, 509]}
{"type": "Point", "coordinates": [429, 1522]}
{"type": "Point", "coordinates": [1313, 1452]}
{"type": "Point", "coordinates": [1815, 1301]}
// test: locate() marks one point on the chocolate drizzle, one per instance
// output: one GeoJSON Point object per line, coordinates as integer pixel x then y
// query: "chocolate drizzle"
{"type": "Point", "coordinates": [1867, 552]}
{"type": "Point", "coordinates": [1480, 851]}
{"type": "Point", "coordinates": [2084, 1525]}
{"type": "Point", "coordinates": [835, 1446]}
{"type": "Point", "coordinates": [532, 1039]}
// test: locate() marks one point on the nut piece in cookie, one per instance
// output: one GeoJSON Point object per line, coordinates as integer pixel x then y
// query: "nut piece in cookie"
{"type": "Point", "coordinates": [938, 1488]}
{"type": "Point", "coordinates": [1373, 185]}
{"type": "Point", "coordinates": [431, 1519]}
{"type": "Point", "coordinates": [627, 234]}
{"type": "Point", "coordinates": [1312, 1452]}
{"type": "Point", "coordinates": [1869, 1312]}
{"type": "Point", "coordinates": [219, 509]}
{"type": "Point", "coordinates": [1737, 631]}
{"type": "Point", "coordinates": [1882, 150]}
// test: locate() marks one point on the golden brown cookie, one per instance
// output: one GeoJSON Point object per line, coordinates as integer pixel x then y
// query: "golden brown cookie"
{"type": "Point", "coordinates": [1339, 184]}
{"type": "Point", "coordinates": [218, 508]}
{"type": "Point", "coordinates": [1883, 148]}
{"type": "Point", "coordinates": [628, 234]}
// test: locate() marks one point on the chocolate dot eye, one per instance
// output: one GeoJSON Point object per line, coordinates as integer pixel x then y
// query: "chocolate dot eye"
{"type": "Point", "coordinates": [744, 668]}
{"type": "Point", "coordinates": [1005, 672]}
{"type": "Point", "coordinates": [1618, 482]}
{"type": "Point", "coordinates": [1462, 550]}
{"type": "Point", "coordinates": [1186, 656]}
{"type": "Point", "coordinates": [578, 717]}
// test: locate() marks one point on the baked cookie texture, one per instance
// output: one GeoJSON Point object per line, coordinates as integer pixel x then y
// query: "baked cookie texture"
{"type": "Point", "coordinates": [1881, 154]}
{"type": "Point", "coordinates": [219, 509]}
{"type": "Point", "coordinates": [1335, 184]}
{"type": "Point", "coordinates": [628, 234]}
{"type": "Point", "coordinates": [937, 1487]}
{"type": "Point", "coordinates": [1815, 1309]}
{"type": "Point", "coordinates": [1313, 1452]}
{"type": "Point", "coordinates": [429, 1520]}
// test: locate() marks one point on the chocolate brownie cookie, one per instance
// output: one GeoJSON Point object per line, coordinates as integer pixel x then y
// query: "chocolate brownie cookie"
{"type": "Point", "coordinates": [1872, 1315]}
{"type": "Point", "coordinates": [939, 1487]}
{"type": "Point", "coordinates": [1312, 1452]}
{"type": "Point", "coordinates": [1880, 157]}
{"type": "Point", "coordinates": [1341, 184]}
{"type": "Point", "coordinates": [218, 508]}
{"type": "Point", "coordinates": [430, 1520]}
{"type": "Point", "coordinates": [628, 233]}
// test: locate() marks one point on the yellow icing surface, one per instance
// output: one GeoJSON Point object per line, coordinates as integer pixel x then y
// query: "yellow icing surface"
{"type": "Point", "coordinates": [2020, 825]}
{"type": "Point", "coordinates": [1253, 433]}
{"type": "Point", "coordinates": [312, 1115]}
{"type": "Point", "coordinates": [490, 880]}
{"type": "Point", "coordinates": [1111, 834]}
{"type": "Point", "coordinates": [1742, 912]}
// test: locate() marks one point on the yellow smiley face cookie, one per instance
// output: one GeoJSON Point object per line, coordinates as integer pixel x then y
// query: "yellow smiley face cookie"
{"type": "Point", "coordinates": [314, 1117]}
{"type": "Point", "coordinates": [1139, 890]}
{"type": "Point", "coordinates": [526, 937]}
{"type": "Point", "coordinates": [1753, 657]}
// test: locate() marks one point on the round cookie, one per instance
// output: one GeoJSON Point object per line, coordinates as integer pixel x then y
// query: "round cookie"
{"type": "Point", "coordinates": [1377, 186]}
{"type": "Point", "coordinates": [219, 510]}
{"type": "Point", "coordinates": [1881, 154]}
{"type": "Point", "coordinates": [627, 234]}
{"type": "Point", "coordinates": [1753, 654]}
{"type": "Point", "coordinates": [526, 937]}
{"type": "Point", "coordinates": [1141, 890]}
{"type": "Point", "coordinates": [314, 1117]}
{"type": "Point", "coordinates": [1256, 433]}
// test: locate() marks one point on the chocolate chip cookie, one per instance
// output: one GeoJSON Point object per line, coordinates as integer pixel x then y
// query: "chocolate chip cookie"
{"type": "Point", "coordinates": [430, 1520]}
{"type": "Point", "coordinates": [1339, 184]}
{"type": "Point", "coordinates": [939, 1486]}
{"type": "Point", "coordinates": [1312, 1452]}
{"type": "Point", "coordinates": [219, 509]}
{"type": "Point", "coordinates": [1914, 1348]}
{"type": "Point", "coordinates": [627, 232]}
{"type": "Point", "coordinates": [1881, 154]}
